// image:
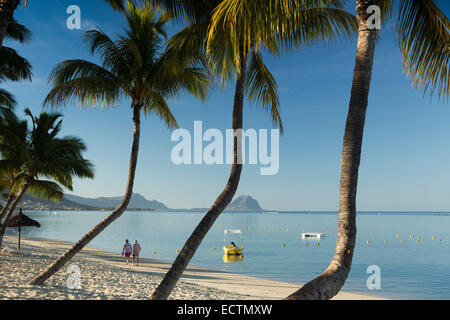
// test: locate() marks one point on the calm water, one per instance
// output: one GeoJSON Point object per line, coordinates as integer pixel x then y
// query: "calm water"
{"type": "Point", "coordinates": [408, 269]}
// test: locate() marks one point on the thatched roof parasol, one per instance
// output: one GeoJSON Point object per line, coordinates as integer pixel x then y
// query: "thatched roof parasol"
{"type": "Point", "coordinates": [20, 220]}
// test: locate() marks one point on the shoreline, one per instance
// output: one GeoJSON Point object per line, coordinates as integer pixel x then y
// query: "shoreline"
{"type": "Point", "coordinates": [197, 283]}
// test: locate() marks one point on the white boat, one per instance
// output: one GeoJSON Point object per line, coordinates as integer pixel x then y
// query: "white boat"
{"type": "Point", "coordinates": [313, 235]}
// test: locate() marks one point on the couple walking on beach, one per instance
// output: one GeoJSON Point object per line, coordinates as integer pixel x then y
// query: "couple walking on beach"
{"type": "Point", "coordinates": [129, 250]}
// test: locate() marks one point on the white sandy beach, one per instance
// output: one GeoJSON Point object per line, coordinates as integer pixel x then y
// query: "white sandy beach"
{"type": "Point", "coordinates": [105, 276]}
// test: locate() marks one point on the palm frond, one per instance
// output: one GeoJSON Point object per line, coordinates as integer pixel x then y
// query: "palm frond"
{"type": "Point", "coordinates": [7, 99]}
{"type": "Point", "coordinates": [191, 80]}
{"type": "Point", "coordinates": [312, 25]}
{"type": "Point", "coordinates": [250, 25]}
{"type": "Point", "coordinates": [19, 32]}
{"type": "Point", "coordinates": [193, 11]}
{"type": "Point", "coordinates": [83, 82]}
{"type": "Point", "coordinates": [156, 104]}
{"type": "Point", "coordinates": [424, 39]}
{"type": "Point", "coordinates": [262, 88]}
{"type": "Point", "coordinates": [189, 46]}
{"type": "Point", "coordinates": [12, 66]}
{"type": "Point", "coordinates": [45, 189]}
{"type": "Point", "coordinates": [111, 55]}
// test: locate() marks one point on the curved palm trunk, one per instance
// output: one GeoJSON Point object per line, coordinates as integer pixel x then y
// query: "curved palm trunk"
{"type": "Point", "coordinates": [164, 289]}
{"type": "Point", "coordinates": [11, 211]}
{"type": "Point", "coordinates": [62, 260]}
{"type": "Point", "coordinates": [7, 8]}
{"type": "Point", "coordinates": [6, 206]}
{"type": "Point", "coordinates": [328, 284]}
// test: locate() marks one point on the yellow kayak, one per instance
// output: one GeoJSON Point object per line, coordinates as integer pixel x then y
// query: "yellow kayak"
{"type": "Point", "coordinates": [235, 251]}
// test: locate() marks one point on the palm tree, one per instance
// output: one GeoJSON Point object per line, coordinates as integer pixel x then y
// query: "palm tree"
{"type": "Point", "coordinates": [237, 52]}
{"type": "Point", "coordinates": [423, 33]}
{"type": "Point", "coordinates": [12, 67]}
{"type": "Point", "coordinates": [136, 66]}
{"type": "Point", "coordinates": [36, 155]}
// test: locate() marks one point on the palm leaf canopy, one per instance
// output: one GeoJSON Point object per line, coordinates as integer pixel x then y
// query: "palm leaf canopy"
{"type": "Point", "coordinates": [423, 35]}
{"type": "Point", "coordinates": [136, 65]}
{"type": "Point", "coordinates": [279, 23]}
{"type": "Point", "coordinates": [37, 155]}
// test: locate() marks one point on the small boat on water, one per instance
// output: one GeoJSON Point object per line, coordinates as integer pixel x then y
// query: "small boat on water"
{"type": "Point", "coordinates": [228, 258]}
{"type": "Point", "coordinates": [313, 235]}
{"type": "Point", "coordinates": [233, 249]}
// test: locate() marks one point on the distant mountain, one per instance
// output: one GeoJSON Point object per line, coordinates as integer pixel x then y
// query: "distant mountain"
{"type": "Point", "coordinates": [30, 203]}
{"type": "Point", "coordinates": [137, 202]}
{"type": "Point", "coordinates": [244, 203]}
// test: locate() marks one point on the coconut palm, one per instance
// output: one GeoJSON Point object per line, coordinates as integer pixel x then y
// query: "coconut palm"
{"type": "Point", "coordinates": [12, 67]}
{"type": "Point", "coordinates": [135, 66]}
{"type": "Point", "coordinates": [423, 33]}
{"type": "Point", "coordinates": [41, 163]}
{"type": "Point", "coordinates": [237, 52]}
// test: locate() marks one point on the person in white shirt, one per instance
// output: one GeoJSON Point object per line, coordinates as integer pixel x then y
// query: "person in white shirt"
{"type": "Point", "coordinates": [127, 250]}
{"type": "Point", "coordinates": [136, 251]}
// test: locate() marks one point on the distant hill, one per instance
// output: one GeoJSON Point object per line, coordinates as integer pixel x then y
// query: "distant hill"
{"type": "Point", "coordinates": [30, 203]}
{"type": "Point", "coordinates": [137, 202]}
{"type": "Point", "coordinates": [244, 203]}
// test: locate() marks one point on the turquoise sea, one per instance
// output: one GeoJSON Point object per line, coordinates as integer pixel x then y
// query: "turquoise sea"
{"type": "Point", "coordinates": [409, 269]}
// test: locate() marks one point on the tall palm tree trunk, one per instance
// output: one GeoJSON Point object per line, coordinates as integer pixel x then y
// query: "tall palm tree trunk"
{"type": "Point", "coordinates": [11, 211]}
{"type": "Point", "coordinates": [6, 206]}
{"type": "Point", "coordinates": [180, 264]}
{"type": "Point", "coordinates": [328, 284]}
{"type": "Point", "coordinates": [62, 260]}
{"type": "Point", "coordinates": [7, 8]}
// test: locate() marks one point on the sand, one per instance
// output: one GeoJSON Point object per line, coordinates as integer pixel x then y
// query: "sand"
{"type": "Point", "coordinates": [104, 276]}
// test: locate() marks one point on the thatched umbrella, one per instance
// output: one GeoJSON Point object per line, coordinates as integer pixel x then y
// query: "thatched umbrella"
{"type": "Point", "coordinates": [20, 220]}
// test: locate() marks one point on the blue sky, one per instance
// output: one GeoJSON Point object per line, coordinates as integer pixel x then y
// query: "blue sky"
{"type": "Point", "coordinates": [406, 152]}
